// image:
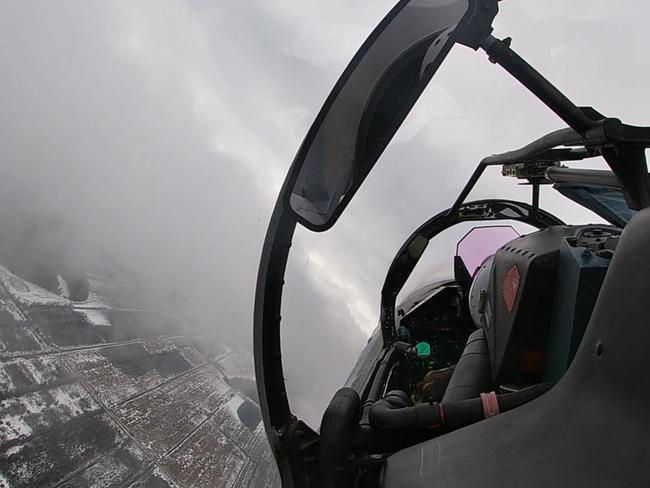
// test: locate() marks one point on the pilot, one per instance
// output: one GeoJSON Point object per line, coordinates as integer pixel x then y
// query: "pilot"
{"type": "Point", "coordinates": [433, 386]}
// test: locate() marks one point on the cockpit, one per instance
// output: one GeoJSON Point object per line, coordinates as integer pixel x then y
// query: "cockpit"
{"type": "Point", "coordinates": [513, 321]}
{"type": "Point", "coordinates": [497, 335]}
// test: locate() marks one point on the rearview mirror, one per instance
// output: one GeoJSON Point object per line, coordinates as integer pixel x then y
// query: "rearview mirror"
{"type": "Point", "coordinates": [368, 104]}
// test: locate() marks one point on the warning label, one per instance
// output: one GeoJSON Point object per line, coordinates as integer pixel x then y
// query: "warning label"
{"type": "Point", "coordinates": [510, 287]}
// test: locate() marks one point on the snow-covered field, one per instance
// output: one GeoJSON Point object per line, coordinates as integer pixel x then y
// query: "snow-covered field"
{"type": "Point", "coordinates": [91, 395]}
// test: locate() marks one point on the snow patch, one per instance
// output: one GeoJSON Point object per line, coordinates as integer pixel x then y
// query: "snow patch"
{"type": "Point", "coordinates": [159, 345]}
{"type": "Point", "coordinates": [14, 427]}
{"type": "Point", "coordinates": [64, 289]}
{"type": "Point", "coordinates": [234, 403]}
{"type": "Point", "coordinates": [11, 451]}
{"type": "Point", "coordinates": [6, 382]}
{"type": "Point", "coordinates": [69, 397]}
{"type": "Point", "coordinates": [10, 313]}
{"type": "Point", "coordinates": [4, 482]}
{"type": "Point", "coordinates": [96, 318]}
{"type": "Point", "coordinates": [28, 293]}
{"type": "Point", "coordinates": [35, 373]}
{"type": "Point", "coordinates": [93, 301]}
{"type": "Point", "coordinates": [93, 310]}
{"type": "Point", "coordinates": [40, 410]}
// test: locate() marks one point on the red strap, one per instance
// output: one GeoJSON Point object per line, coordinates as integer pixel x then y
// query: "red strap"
{"type": "Point", "coordinates": [441, 417]}
{"type": "Point", "coordinates": [490, 404]}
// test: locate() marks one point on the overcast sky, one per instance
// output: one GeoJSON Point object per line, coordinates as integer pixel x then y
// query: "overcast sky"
{"type": "Point", "coordinates": [157, 133]}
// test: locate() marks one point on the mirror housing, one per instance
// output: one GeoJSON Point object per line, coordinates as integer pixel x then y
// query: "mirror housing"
{"type": "Point", "coordinates": [372, 98]}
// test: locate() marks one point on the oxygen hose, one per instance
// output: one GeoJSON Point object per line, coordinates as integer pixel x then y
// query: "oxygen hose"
{"type": "Point", "coordinates": [393, 412]}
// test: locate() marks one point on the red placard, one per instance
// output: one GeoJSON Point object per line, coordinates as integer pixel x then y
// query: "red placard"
{"type": "Point", "coordinates": [510, 287]}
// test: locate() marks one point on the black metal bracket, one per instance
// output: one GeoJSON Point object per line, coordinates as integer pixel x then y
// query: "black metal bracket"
{"type": "Point", "coordinates": [500, 53]}
{"type": "Point", "coordinates": [628, 163]}
{"type": "Point", "coordinates": [623, 146]}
